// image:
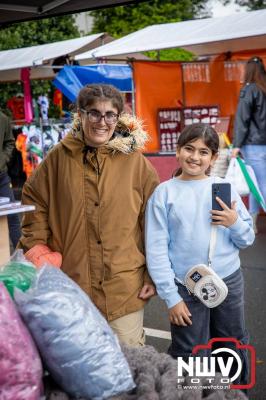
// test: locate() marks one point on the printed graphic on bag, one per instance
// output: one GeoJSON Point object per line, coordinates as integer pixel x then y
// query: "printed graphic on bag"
{"type": "Point", "coordinates": [209, 292]}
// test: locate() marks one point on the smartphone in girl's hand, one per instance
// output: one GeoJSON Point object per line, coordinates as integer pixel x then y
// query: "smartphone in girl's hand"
{"type": "Point", "coordinates": [223, 191]}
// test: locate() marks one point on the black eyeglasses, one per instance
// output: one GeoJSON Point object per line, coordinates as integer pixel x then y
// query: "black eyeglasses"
{"type": "Point", "coordinates": [95, 116]}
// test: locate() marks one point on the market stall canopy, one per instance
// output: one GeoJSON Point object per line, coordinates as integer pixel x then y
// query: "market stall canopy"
{"type": "Point", "coordinates": [88, 57]}
{"type": "Point", "coordinates": [25, 10]}
{"type": "Point", "coordinates": [41, 58]}
{"type": "Point", "coordinates": [72, 78]}
{"type": "Point", "coordinates": [208, 36]}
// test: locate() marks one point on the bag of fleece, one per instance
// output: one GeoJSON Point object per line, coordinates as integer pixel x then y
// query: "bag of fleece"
{"type": "Point", "coordinates": [20, 363]}
{"type": "Point", "coordinates": [77, 345]}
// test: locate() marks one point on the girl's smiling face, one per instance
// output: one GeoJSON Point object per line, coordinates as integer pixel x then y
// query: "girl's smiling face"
{"type": "Point", "coordinates": [195, 158]}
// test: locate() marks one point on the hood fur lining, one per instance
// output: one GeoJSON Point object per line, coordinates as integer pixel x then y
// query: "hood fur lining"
{"type": "Point", "coordinates": [128, 137]}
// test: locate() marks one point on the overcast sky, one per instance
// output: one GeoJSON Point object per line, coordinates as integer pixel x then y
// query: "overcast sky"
{"type": "Point", "coordinates": [219, 10]}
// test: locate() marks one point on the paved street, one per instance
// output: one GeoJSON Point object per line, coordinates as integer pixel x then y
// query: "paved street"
{"type": "Point", "coordinates": [254, 267]}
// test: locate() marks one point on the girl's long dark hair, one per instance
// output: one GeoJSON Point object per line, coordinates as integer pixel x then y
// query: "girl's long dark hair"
{"type": "Point", "coordinates": [198, 131]}
{"type": "Point", "coordinates": [255, 73]}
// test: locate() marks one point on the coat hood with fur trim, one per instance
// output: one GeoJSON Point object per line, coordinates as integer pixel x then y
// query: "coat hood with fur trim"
{"type": "Point", "coordinates": [129, 136]}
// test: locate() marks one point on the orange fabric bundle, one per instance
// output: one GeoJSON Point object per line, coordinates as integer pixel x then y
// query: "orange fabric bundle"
{"type": "Point", "coordinates": [41, 254]}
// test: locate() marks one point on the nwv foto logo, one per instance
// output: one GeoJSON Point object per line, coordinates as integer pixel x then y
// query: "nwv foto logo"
{"type": "Point", "coordinates": [198, 366]}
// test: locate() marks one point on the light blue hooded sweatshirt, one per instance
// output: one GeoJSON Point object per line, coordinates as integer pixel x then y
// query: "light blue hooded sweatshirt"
{"type": "Point", "coordinates": [178, 228]}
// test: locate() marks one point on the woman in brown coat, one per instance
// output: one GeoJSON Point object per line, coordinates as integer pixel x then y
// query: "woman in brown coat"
{"type": "Point", "coordinates": [90, 195]}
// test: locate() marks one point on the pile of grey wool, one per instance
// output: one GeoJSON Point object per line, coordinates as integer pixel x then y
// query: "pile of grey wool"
{"type": "Point", "coordinates": [155, 375]}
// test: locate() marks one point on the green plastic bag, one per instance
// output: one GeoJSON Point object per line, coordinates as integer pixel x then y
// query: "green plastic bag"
{"type": "Point", "coordinates": [252, 184]}
{"type": "Point", "coordinates": [17, 274]}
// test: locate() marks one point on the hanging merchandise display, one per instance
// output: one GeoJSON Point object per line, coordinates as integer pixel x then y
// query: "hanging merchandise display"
{"type": "Point", "coordinates": [43, 103]}
{"type": "Point", "coordinates": [35, 110]}
{"type": "Point", "coordinates": [196, 72]}
{"type": "Point", "coordinates": [169, 126]}
{"type": "Point", "coordinates": [16, 105]}
{"type": "Point", "coordinates": [34, 141]}
{"type": "Point", "coordinates": [58, 99]}
{"type": "Point", "coordinates": [172, 120]}
{"type": "Point", "coordinates": [201, 113]}
{"type": "Point", "coordinates": [21, 146]}
{"type": "Point", "coordinates": [25, 78]}
{"type": "Point", "coordinates": [29, 143]}
{"type": "Point", "coordinates": [234, 71]}
{"type": "Point", "coordinates": [52, 134]}
{"type": "Point", "coordinates": [34, 144]}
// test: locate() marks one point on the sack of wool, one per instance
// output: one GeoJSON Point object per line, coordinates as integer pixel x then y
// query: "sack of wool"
{"type": "Point", "coordinates": [20, 363]}
{"type": "Point", "coordinates": [17, 274]}
{"type": "Point", "coordinates": [76, 343]}
{"type": "Point", "coordinates": [155, 375]}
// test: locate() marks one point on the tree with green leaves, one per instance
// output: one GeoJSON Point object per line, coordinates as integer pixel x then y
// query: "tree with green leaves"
{"type": "Point", "coordinates": [35, 32]}
{"type": "Point", "coordinates": [32, 33]}
{"type": "Point", "coordinates": [122, 20]}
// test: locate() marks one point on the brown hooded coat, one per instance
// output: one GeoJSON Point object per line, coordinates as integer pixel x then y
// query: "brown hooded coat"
{"type": "Point", "coordinates": [90, 207]}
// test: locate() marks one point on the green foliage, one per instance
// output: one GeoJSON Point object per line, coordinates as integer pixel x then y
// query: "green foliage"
{"type": "Point", "coordinates": [170, 55]}
{"type": "Point", "coordinates": [32, 33]}
{"type": "Point", "coordinates": [54, 111]}
{"type": "Point", "coordinates": [119, 21]}
{"type": "Point", "coordinates": [122, 20]}
{"type": "Point", "coordinates": [36, 32]}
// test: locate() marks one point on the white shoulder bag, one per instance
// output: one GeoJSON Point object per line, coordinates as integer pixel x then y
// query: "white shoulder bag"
{"type": "Point", "coordinates": [203, 282]}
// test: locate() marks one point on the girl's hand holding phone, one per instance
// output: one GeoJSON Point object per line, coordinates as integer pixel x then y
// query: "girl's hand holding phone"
{"type": "Point", "coordinates": [227, 216]}
{"type": "Point", "coordinates": [180, 314]}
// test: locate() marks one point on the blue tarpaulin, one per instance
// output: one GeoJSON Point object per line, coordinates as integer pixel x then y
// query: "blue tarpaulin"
{"type": "Point", "coordinates": [72, 78]}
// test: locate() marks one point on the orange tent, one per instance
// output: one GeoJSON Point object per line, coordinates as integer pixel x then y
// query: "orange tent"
{"type": "Point", "coordinates": [157, 85]}
{"type": "Point", "coordinates": [161, 85]}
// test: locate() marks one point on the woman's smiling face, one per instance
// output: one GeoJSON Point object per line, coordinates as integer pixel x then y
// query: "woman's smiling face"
{"type": "Point", "coordinates": [96, 134]}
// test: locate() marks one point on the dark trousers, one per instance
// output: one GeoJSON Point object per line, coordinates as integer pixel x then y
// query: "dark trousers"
{"type": "Point", "coordinates": [13, 219]}
{"type": "Point", "coordinates": [226, 320]}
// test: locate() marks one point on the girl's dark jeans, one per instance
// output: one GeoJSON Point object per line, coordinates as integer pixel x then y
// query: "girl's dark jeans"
{"type": "Point", "coordinates": [226, 320]}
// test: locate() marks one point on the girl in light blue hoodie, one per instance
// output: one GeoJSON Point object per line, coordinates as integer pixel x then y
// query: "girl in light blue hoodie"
{"type": "Point", "coordinates": [178, 226]}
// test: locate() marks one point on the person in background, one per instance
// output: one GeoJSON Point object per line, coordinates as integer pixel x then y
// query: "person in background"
{"type": "Point", "coordinates": [90, 194]}
{"type": "Point", "coordinates": [7, 145]}
{"type": "Point", "coordinates": [221, 164]}
{"type": "Point", "coordinates": [250, 126]}
{"type": "Point", "coordinates": [179, 217]}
